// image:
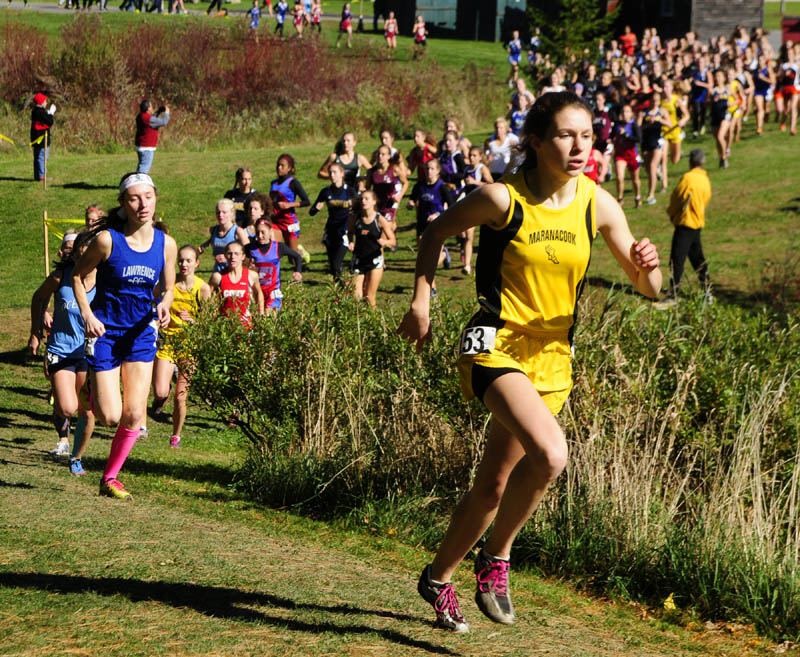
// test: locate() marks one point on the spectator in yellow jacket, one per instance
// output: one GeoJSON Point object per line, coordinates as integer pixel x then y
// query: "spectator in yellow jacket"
{"type": "Point", "coordinates": [687, 211]}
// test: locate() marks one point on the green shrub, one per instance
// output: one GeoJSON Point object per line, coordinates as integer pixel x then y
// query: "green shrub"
{"type": "Point", "coordinates": [683, 428]}
{"type": "Point", "coordinates": [336, 408]}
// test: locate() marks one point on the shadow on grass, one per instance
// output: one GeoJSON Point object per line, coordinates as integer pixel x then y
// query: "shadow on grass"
{"type": "Point", "coordinates": [88, 186]}
{"type": "Point", "coordinates": [24, 465]}
{"type": "Point", "coordinates": [222, 602]}
{"type": "Point", "coordinates": [26, 391]}
{"type": "Point", "coordinates": [5, 484]}
{"type": "Point", "coordinates": [16, 443]}
{"type": "Point", "coordinates": [13, 179]}
{"type": "Point", "coordinates": [33, 416]}
{"type": "Point", "coordinates": [201, 472]}
{"type": "Point", "coordinates": [15, 357]}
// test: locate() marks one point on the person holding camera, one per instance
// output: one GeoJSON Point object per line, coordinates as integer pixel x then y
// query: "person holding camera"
{"type": "Point", "coordinates": [147, 126]}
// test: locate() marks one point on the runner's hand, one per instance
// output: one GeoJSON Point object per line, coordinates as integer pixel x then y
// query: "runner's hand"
{"type": "Point", "coordinates": [33, 344]}
{"type": "Point", "coordinates": [416, 329]}
{"type": "Point", "coordinates": [94, 327]}
{"type": "Point", "coordinates": [163, 315]}
{"type": "Point", "coordinates": [644, 255]}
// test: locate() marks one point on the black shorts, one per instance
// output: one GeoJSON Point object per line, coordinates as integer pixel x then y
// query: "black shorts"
{"type": "Point", "coordinates": [56, 363]}
{"type": "Point", "coordinates": [366, 263]}
{"type": "Point", "coordinates": [422, 224]}
{"type": "Point", "coordinates": [651, 144]}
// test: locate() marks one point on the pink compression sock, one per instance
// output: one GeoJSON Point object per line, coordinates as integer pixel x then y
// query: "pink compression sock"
{"type": "Point", "coordinates": [121, 446]}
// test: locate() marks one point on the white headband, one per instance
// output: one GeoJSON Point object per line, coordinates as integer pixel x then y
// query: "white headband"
{"type": "Point", "coordinates": [136, 179]}
{"type": "Point", "coordinates": [70, 237]}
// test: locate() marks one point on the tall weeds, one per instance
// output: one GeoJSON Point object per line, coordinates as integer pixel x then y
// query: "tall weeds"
{"type": "Point", "coordinates": [683, 427]}
{"type": "Point", "coordinates": [673, 488]}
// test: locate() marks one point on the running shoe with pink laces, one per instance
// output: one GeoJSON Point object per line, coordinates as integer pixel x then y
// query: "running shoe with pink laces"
{"type": "Point", "coordinates": [444, 601]}
{"type": "Point", "coordinates": [492, 595]}
{"type": "Point", "coordinates": [114, 488]}
{"type": "Point", "coordinates": [175, 442]}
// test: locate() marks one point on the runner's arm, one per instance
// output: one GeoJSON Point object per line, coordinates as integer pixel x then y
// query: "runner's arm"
{"type": "Point", "coordinates": [638, 258]}
{"type": "Point", "coordinates": [324, 172]}
{"type": "Point", "coordinates": [403, 178]}
{"type": "Point", "coordinates": [299, 193]}
{"type": "Point", "coordinates": [39, 303]}
{"type": "Point", "coordinates": [257, 292]}
{"type": "Point", "coordinates": [486, 205]}
{"type": "Point", "coordinates": [98, 251]}
{"type": "Point", "coordinates": [387, 237]}
{"type": "Point", "coordinates": [285, 250]}
{"type": "Point", "coordinates": [321, 198]}
{"type": "Point", "coordinates": [167, 281]}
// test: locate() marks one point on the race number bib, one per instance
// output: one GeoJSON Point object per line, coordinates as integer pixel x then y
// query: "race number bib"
{"type": "Point", "coordinates": [52, 358]}
{"type": "Point", "coordinates": [294, 228]}
{"type": "Point", "coordinates": [477, 340]}
{"type": "Point", "coordinates": [276, 294]}
{"type": "Point", "coordinates": [88, 346]}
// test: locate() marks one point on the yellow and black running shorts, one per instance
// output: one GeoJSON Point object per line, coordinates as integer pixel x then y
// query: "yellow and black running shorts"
{"type": "Point", "coordinates": [487, 352]}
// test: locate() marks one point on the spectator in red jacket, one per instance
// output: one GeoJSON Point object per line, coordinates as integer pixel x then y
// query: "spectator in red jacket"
{"type": "Point", "coordinates": [41, 122]}
{"type": "Point", "coordinates": [147, 126]}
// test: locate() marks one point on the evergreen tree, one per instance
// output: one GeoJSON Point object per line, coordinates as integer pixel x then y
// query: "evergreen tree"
{"type": "Point", "coordinates": [571, 28]}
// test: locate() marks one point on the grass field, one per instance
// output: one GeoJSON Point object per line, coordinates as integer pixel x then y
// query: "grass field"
{"type": "Point", "coordinates": [191, 568]}
{"type": "Point", "coordinates": [772, 13]}
{"type": "Point", "coordinates": [751, 218]}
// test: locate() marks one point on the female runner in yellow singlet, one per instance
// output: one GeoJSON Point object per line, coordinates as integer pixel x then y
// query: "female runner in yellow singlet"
{"type": "Point", "coordinates": [537, 228]}
{"type": "Point", "coordinates": [189, 291]}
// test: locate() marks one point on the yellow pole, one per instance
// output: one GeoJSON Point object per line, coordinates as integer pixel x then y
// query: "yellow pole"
{"type": "Point", "coordinates": [46, 256]}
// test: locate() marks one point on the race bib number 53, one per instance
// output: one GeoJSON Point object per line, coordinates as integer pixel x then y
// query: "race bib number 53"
{"type": "Point", "coordinates": [477, 340]}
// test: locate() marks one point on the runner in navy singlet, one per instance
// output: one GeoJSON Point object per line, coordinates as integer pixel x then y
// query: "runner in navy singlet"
{"type": "Point", "coordinates": [131, 257]}
{"type": "Point", "coordinates": [431, 197]}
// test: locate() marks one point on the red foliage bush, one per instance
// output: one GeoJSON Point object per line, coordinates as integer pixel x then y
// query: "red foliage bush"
{"type": "Point", "coordinates": [24, 61]}
{"type": "Point", "coordinates": [227, 83]}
